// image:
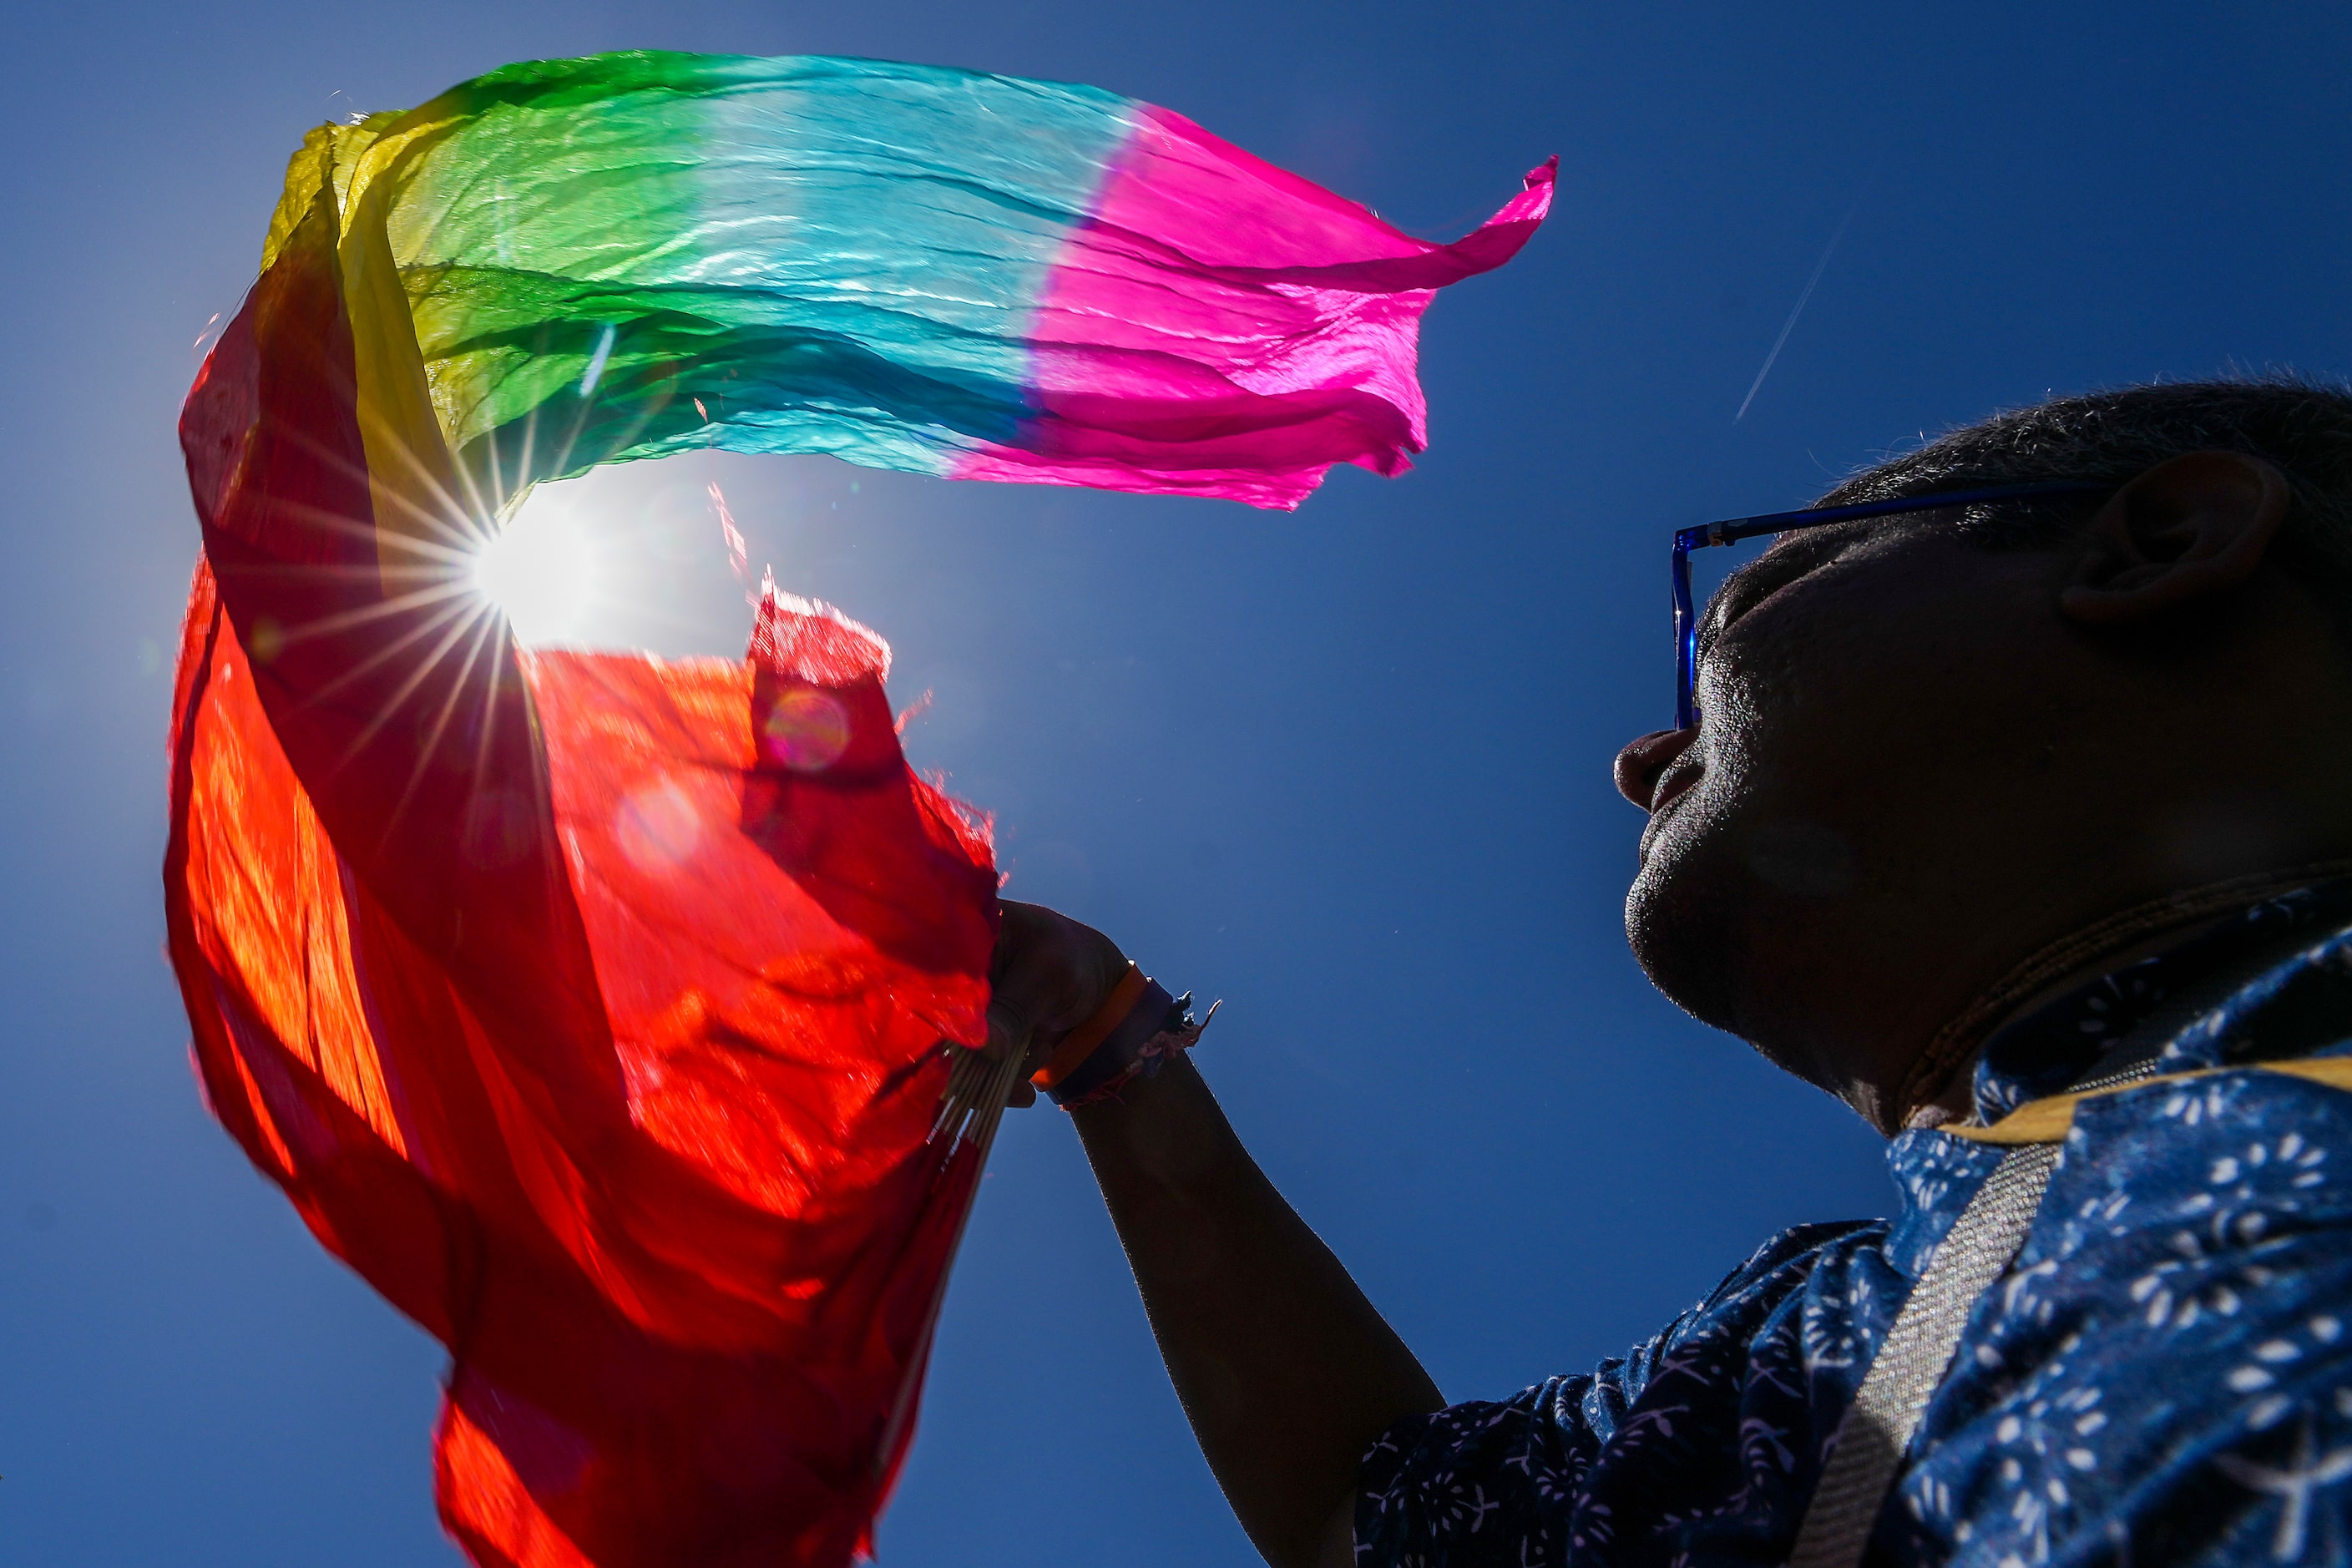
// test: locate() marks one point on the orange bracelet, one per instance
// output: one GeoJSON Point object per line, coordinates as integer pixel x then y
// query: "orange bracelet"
{"type": "Point", "coordinates": [1081, 1041]}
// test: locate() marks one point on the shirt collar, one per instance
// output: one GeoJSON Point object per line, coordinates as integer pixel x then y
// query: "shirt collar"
{"type": "Point", "coordinates": [2272, 979]}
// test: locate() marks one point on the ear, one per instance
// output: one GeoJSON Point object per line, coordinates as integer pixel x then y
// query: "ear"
{"type": "Point", "coordinates": [2190, 527]}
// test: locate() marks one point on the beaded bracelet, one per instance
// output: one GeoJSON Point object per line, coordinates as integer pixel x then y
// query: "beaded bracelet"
{"type": "Point", "coordinates": [1138, 1028]}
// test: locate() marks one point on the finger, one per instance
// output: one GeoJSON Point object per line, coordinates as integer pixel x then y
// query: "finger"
{"type": "Point", "coordinates": [1009, 1029]}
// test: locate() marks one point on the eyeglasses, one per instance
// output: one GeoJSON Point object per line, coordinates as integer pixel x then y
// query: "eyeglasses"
{"type": "Point", "coordinates": [1733, 529]}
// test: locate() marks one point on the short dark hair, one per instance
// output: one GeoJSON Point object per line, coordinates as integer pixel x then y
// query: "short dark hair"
{"type": "Point", "coordinates": [2300, 425]}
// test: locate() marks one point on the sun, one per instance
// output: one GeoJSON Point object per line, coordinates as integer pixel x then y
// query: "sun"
{"type": "Point", "coordinates": [541, 574]}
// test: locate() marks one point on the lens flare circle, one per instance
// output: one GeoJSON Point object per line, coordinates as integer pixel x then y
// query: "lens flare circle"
{"type": "Point", "coordinates": [806, 731]}
{"type": "Point", "coordinates": [657, 826]}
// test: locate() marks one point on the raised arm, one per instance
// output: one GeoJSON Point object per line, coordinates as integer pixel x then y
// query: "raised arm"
{"type": "Point", "coordinates": [1285, 1371]}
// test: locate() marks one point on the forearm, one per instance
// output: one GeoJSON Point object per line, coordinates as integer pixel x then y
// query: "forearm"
{"type": "Point", "coordinates": [1285, 1370]}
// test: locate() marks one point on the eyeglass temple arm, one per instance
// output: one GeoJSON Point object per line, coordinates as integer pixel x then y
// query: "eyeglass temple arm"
{"type": "Point", "coordinates": [1731, 530]}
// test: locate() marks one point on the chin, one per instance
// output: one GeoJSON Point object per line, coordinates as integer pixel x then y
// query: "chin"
{"type": "Point", "coordinates": [1683, 919]}
{"type": "Point", "coordinates": [1728, 914]}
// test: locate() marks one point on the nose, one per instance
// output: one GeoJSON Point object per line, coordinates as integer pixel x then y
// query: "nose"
{"type": "Point", "coordinates": [1644, 759]}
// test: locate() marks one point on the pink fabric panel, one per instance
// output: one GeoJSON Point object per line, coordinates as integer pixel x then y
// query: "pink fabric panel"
{"type": "Point", "coordinates": [1222, 327]}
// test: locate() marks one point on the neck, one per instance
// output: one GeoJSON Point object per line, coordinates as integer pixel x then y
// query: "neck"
{"type": "Point", "coordinates": [1937, 1088]}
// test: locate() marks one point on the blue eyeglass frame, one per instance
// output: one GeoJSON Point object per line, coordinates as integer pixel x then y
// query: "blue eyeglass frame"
{"type": "Point", "coordinates": [1732, 529]}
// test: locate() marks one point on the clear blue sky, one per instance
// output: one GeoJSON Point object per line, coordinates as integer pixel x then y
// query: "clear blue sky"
{"type": "Point", "coordinates": [1346, 769]}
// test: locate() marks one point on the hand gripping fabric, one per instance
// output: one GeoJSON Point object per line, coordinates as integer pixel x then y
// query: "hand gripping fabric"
{"type": "Point", "coordinates": [592, 1007]}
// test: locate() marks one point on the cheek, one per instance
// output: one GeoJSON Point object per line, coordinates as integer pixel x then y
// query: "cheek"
{"type": "Point", "coordinates": [1794, 702]}
{"type": "Point", "coordinates": [1815, 649]}
{"type": "Point", "coordinates": [1885, 695]}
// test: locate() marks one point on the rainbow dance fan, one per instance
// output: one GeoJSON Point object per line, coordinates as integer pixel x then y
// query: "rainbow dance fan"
{"type": "Point", "coordinates": [614, 1016]}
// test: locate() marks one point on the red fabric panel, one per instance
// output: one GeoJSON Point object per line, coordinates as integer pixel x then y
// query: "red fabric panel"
{"type": "Point", "coordinates": [589, 1006]}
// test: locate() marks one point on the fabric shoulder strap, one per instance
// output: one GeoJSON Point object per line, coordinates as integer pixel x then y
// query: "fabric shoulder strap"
{"type": "Point", "coordinates": [1918, 1351]}
{"type": "Point", "coordinates": [1911, 1362]}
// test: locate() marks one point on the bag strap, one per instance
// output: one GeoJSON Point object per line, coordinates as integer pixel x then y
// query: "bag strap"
{"type": "Point", "coordinates": [1913, 1359]}
{"type": "Point", "coordinates": [1918, 1349]}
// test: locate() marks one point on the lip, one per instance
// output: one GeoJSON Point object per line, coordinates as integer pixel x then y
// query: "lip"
{"type": "Point", "coordinates": [1674, 782]}
{"type": "Point", "coordinates": [1673, 785]}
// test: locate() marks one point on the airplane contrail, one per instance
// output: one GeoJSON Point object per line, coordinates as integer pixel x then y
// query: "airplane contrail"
{"type": "Point", "coordinates": [1810, 284]}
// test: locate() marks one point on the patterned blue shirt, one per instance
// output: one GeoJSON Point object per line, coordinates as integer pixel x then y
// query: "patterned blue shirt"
{"type": "Point", "coordinates": [2163, 1376]}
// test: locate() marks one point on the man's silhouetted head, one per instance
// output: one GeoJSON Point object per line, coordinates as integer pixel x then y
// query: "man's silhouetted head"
{"type": "Point", "coordinates": [1935, 743]}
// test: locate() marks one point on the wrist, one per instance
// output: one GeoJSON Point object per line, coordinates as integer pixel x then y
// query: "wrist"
{"type": "Point", "coordinates": [1138, 1029]}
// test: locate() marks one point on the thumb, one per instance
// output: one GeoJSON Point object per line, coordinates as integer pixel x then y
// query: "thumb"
{"type": "Point", "coordinates": [1010, 1030]}
{"type": "Point", "coordinates": [1014, 1030]}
